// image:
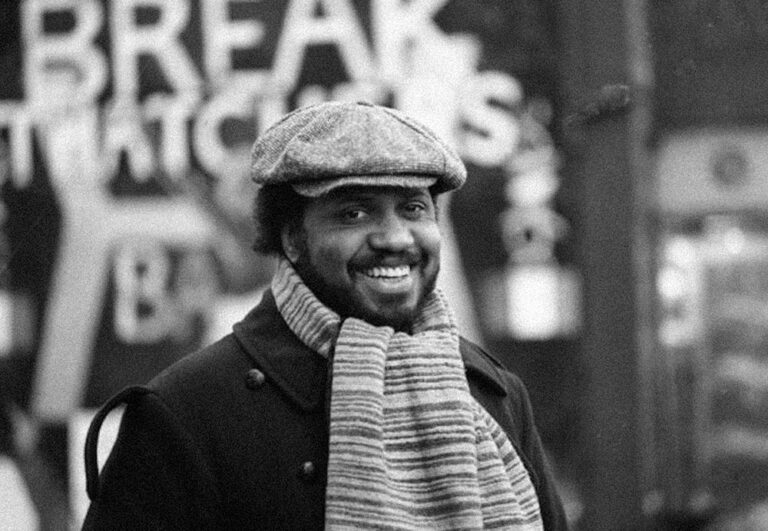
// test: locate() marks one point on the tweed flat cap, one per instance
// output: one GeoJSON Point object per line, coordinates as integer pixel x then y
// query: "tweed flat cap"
{"type": "Point", "coordinates": [321, 147]}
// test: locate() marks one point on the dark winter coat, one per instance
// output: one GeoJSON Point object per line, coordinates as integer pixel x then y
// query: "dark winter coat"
{"type": "Point", "coordinates": [235, 437]}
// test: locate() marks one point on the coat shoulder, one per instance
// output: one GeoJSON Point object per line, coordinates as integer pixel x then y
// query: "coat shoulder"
{"type": "Point", "coordinates": [486, 367]}
{"type": "Point", "coordinates": [205, 381]}
{"type": "Point", "coordinates": [203, 370]}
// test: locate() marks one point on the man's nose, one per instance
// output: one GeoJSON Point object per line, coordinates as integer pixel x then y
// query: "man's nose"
{"type": "Point", "coordinates": [392, 233]}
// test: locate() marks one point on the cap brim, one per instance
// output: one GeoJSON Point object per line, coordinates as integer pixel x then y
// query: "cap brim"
{"type": "Point", "coordinates": [322, 187]}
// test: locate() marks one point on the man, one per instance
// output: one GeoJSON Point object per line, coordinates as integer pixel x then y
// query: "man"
{"type": "Point", "coordinates": [346, 399]}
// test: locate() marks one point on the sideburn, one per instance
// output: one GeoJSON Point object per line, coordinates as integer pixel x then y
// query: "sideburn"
{"type": "Point", "coordinates": [328, 295]}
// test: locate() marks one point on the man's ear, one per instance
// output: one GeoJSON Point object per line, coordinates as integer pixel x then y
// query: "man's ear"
{"type": "Point", "coordinates": [288, 239]}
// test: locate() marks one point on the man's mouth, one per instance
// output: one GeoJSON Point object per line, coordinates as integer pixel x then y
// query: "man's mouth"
{"type": "Point", "coordinates": [390, 272]}
{"type": "Point", "coordinates": [388, 280]}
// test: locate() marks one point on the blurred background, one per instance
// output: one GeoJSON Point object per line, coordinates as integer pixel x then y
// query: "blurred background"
{"type": "Point", "coordinates": [610, 246]}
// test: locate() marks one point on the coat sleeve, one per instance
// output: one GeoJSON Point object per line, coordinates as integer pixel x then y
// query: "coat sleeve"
{"type": "Point", "coordinates": [552, 512]}
{"type": "Point", "coordinates": [154, 478]}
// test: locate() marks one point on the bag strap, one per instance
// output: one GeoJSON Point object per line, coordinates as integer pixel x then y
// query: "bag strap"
{"type": "Point", "coordinates": [126, 396]}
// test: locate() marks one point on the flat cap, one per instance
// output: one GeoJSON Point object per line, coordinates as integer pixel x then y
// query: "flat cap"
{"type": "Point", "coordinates": [321, 147]}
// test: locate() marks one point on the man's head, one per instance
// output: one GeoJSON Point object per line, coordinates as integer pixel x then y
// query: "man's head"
{"type": "Point", "coordinates": [348, 196]}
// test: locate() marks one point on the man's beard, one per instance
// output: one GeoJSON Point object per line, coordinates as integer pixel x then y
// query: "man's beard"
{"type": "Point", "coordinates": [340, 301]}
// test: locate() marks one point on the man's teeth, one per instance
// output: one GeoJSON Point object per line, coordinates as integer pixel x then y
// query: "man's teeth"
{"type": "Point", "coordinates": [388, 272]}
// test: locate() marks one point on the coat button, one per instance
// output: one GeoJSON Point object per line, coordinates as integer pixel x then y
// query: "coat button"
{"type": "Point", "coordinates": [308, 471]}
{"type": "Point", "coordinates": [254, 379]}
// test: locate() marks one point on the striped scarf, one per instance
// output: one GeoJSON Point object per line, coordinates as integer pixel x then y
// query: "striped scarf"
{"type": "Point", "coordinates": [409, 447]}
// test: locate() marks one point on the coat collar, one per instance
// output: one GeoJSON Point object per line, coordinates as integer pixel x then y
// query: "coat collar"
{"type": "Point", "coordinates": [301, 373]}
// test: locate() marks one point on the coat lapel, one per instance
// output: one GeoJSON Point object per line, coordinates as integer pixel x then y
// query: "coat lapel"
{"type": "Point", "coordinates": [298, 371]}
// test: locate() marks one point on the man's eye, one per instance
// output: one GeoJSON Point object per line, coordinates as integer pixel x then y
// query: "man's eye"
{"type": "Point", "coordinates": [353, 214]}
{"type": "Point", "coordinates": [415, 208]}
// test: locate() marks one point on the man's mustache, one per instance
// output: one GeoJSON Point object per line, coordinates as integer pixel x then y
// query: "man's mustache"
{"type": "Point", "coordinates": [388, 259]}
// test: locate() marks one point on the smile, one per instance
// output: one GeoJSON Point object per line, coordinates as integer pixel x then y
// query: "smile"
{"type": "Point", "coordinates": [394, 273]}
{"type": "Point", "coordinates": [388, 280]}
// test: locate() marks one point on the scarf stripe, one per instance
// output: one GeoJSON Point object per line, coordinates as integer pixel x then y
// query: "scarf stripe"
{"type": "Point", "coordinates": [409, 446]}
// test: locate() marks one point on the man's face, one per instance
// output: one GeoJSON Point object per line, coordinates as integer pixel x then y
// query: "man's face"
{"type": "Point", "coordinates": [369, 252]}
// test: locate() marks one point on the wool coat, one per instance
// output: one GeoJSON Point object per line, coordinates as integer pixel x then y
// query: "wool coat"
{"type": "Point", "coordinates": [235, 436]}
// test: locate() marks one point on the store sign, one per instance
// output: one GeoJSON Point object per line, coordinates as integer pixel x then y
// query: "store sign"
{"type": "Point", "coordinates": [398, 52]}
{"type": "Point", "coordinates": [713, 170]}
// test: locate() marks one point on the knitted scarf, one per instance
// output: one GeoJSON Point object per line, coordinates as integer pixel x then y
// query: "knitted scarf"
{"type": "Point", "coordinates": [409, 446]}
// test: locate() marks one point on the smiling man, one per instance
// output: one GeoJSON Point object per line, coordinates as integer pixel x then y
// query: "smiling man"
{"type": "Point", "coordinates": [346, 399]}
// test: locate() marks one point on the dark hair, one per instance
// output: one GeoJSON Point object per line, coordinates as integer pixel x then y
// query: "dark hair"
{"type": "Point", "coordinates": [274, 207]}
